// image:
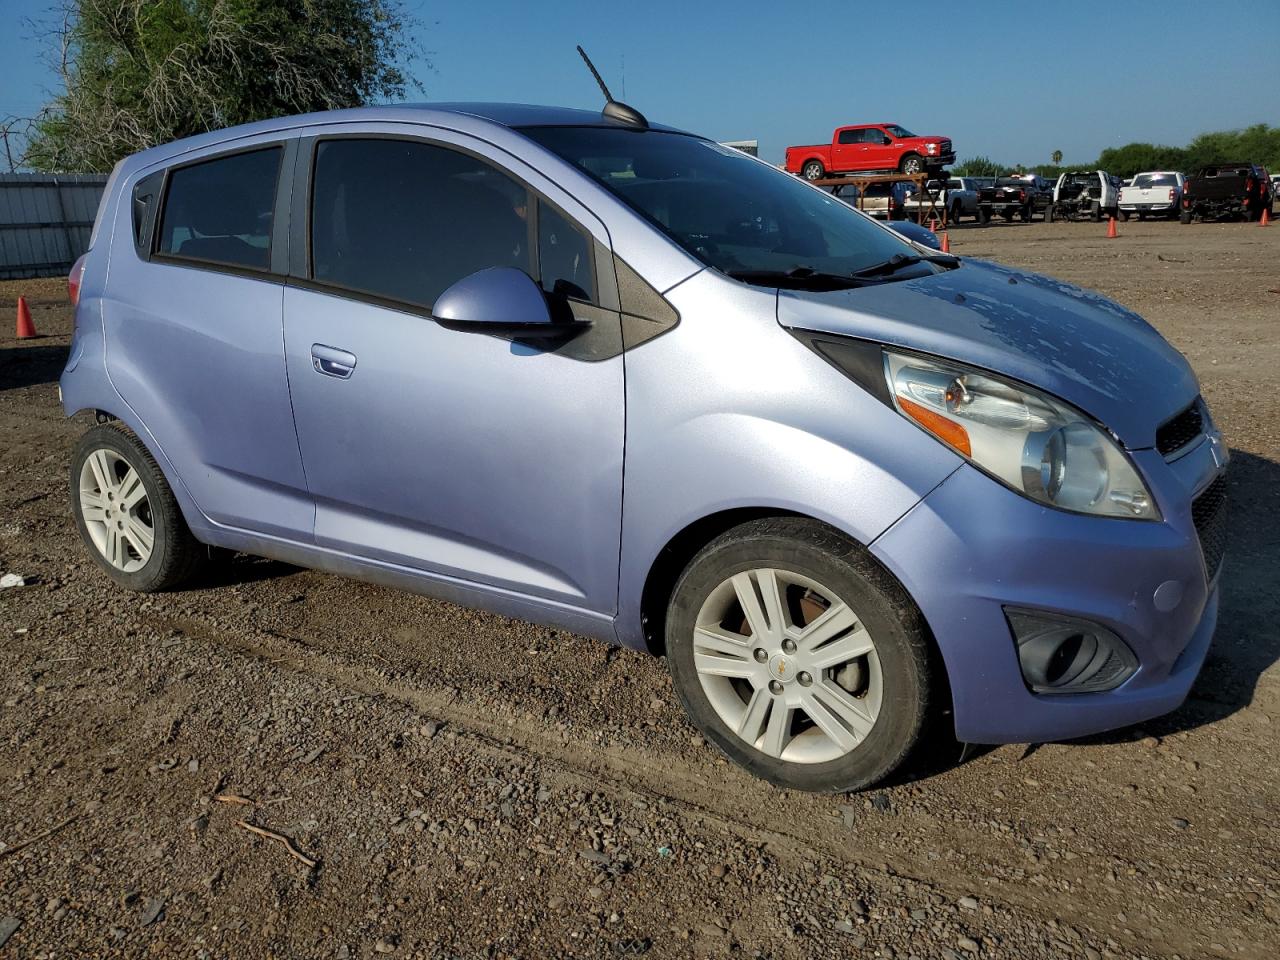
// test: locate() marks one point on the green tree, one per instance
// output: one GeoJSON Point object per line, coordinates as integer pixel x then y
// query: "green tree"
{"type": "Point", "coordinates": [978, 167]}
{"type": "Point", "coordinates": [141, 72]}
{"type": "Point", "coordinates": [1057, 158]}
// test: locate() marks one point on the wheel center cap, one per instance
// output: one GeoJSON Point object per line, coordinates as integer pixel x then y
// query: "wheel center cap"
{"type": "Point", "coordinates": [783, 668]}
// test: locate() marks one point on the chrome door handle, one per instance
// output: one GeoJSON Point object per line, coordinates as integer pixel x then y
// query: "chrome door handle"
{"type": "Point", "coordinates": [332, 362]}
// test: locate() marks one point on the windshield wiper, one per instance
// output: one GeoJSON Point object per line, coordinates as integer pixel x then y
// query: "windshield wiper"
{"type": "Point", "coordinates": [900, 260]}
{"type": "Point", "coordinates": [798, 278]}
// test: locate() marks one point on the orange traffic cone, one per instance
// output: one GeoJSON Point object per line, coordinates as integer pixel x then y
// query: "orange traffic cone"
{"type": "Point", "coordinates": [1111, 229]}
{"type": "Point", "coordinates": [946, 242]}
{"type": "Point", "coordinates": [26, 329]}
{"type": "Point", "coordinates": [1266, 217]}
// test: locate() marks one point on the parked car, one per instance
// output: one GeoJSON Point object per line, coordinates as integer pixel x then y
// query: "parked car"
{"type": "Point", "coordinates": [916, 233]}
{"type": "Point", "coordinates": [958, 196]}
{"type": "Point", "coordinates": [1158, 193]}
{"type": "Point", "coordinates": [1019, 195]}
{"type": "Point", "coordinates": [1275, 188]}
{"type": "Point", "coordinates": [1226, 190]}
{"type": "Point", "coordinates": [886, 201]}
{"type": "Point", "coordinates": [867, 147]}
{"type": "Point", "coordinates": [865, 487]}
{"type": "Point", "coordinates": [1078, 194]}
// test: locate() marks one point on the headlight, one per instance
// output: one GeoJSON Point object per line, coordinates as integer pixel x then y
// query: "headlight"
{"type": "Point", "coordinates": [1039, 446]}
{"type": "Point", "coordinates": [931, 147]}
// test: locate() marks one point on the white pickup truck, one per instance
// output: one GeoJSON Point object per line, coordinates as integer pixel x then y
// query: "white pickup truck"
{"type": "Point", "coordinates": [1158, 193]}
{"type": "Point", "coordinates": [958, 196]}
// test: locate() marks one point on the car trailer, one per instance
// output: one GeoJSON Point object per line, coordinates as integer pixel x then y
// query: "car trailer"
{"type": "Point", "coordinates": [924, 214]}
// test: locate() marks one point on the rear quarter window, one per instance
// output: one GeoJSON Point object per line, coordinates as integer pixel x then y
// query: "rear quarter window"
{"type": "Point", "coordinates": [220, 211]}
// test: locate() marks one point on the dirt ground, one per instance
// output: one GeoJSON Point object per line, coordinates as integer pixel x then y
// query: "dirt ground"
{"type": "Point", "coordinates": [471, 786]}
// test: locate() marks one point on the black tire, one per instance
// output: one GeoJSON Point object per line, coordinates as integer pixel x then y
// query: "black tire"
{"type": "Point", "coordinates": [954, 216]}
{"type": "Point", "coordinates": [1048, 214]}
{"type": "Point", "coordinates": [903, 646]}
{"type": "Point", "coordinates": [984, 216]}
{"type": "Point", "coordinates": [1123, 215]}
{"type": "Point", "coordinates": [1095, 211]}
{"type": "Point", "coordinates": [1185, 216]}
{"type": "Point", "coordinates": [911, 164]}
{"type": "Point", "coordinates": [176, 555]}
{"type": "Point", "coordinates": [813, 170]}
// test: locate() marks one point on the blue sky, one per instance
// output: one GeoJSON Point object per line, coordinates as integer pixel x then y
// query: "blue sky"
{"type": "Point", "coordinates": [749, 69]}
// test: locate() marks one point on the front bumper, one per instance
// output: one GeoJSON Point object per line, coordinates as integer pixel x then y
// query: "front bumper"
{"type": "Point", "coordinates": [973, 547]}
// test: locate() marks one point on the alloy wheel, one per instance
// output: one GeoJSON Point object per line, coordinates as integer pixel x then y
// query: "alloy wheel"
{"type": "Point", "coordinates": [788, 666]}
{"type": "Point", "coordinates": [116, 510]}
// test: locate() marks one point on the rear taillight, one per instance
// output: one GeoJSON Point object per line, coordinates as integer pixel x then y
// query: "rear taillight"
{"type": "Point", "coordinates": [74, 278]}
{"type": "Point", "coordinates": [1022, 195]}
{"type": "Point", "coordinates": [1172, 193]}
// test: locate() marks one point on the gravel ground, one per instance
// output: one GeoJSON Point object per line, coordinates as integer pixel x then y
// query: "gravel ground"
{"type": "Point", "coordinates": [471, 786]}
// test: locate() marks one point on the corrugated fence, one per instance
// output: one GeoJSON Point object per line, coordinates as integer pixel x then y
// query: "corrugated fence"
{"type": "Point", "coordinates": [45, 221]}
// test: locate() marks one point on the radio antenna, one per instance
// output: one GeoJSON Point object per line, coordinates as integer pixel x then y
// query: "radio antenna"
{"type": "Point", "coordinates": [614, 109]}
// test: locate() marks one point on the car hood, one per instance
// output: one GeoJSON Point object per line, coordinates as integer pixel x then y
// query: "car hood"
{"type": "Point", "coordinates": [1075, 344]}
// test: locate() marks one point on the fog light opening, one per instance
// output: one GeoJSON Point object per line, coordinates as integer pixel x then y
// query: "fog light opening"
{"type": "Point", "coordinates": [1067, 655]}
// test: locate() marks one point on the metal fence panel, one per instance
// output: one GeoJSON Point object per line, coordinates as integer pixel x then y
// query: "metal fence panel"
{"type": "Point", "coordinates": [45, 221]}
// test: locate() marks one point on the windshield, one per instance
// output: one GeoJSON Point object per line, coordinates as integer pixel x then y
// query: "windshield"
{"type": "Point", "coordinates": [726, 209]}
{"type": "Point", "coordinates": [902, 133]}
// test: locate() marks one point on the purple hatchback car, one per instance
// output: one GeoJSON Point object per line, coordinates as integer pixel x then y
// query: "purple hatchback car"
{"type": "Point", "coordinates": [606, 375]}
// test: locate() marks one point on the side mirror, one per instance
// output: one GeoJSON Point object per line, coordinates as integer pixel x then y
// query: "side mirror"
{"type": "Point", "coordinates": [501, 300]}
{"type": "Point", "coordinates": [888, 141]}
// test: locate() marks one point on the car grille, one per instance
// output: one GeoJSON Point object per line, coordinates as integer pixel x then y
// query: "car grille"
{"type": "Point", "coordinates": [1181, 430]}
{"type": "Point", "coordinates": [1209, 512]}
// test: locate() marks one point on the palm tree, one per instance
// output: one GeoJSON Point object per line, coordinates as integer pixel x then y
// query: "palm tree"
{"type": "Point", "coordinates": [1057, 158]}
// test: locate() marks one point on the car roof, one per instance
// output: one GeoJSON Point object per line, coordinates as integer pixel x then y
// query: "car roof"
{"type": "Point", "coordinates": [508, 115]}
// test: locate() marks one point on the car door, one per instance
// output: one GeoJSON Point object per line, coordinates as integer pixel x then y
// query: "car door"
{"type": "Point", "coordinates": [194, 330]}
{"type": "Point", "coordinates": [878, 155]}
{"type": "Point", "coordinates": [847, 149]}
{"type": "Point", "coordinates": [468, 457]}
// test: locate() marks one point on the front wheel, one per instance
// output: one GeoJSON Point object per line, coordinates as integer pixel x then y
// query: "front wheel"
{"type": "Point", "coordinates": [798, 656]}
{"type": "Point", "coordinates": [812, 170]}
{"type": "Point", "coordinates": [911, 165]}
{"type": "Point", "coordinates": [127, 515]}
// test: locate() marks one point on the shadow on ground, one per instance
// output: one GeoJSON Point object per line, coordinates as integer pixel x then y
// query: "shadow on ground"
{"type": "Point", "coordinates": [31, 365]}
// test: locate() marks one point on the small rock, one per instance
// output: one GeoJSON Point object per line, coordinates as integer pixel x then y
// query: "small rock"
{"type": "Point", "coordinates": [859, 907]}
{"type": "Point", "coordinates": [313, 755]}
{"type": "Point", "coordinates": [1180, 824]}
{"type": "Point", "coordinates": [595, 893]}
{"type": "Point", "coordinates": [384, 946]}
{"type": "Point", "coordinates": [880, 801]}
{"type": "Point", "coordinates": [711, 930]}
{"type": "Point", "coordinates": [7, 927]}
{"type": "Point", "coordinates": [968, 903]}
{"type": "Point", "coordinates": [967, 945]}
{"type": "Point", "coordinates": [12, 580]}
{"type": "Point", "coordinates": [193, 765]}
{"type": "Point", "coordinates": [429, 729]}
{"type": "Point", "coordinates": [719, 871]}
{"type": "Point", "coordinates": [153, 911]}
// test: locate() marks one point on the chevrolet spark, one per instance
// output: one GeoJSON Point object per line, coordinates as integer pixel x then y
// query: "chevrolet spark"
{"type": "Point", "coordinates": [610, 376]}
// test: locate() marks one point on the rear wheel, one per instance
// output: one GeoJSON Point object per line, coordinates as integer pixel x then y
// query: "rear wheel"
{"type": "Point", "coordinates": [984, 216]}
{"type": "Point", "coordinates": [799, 657]}
{"type": "Point", "coordinates": [1095, 211]}
{"type": "Point", "coordinates": [1048, 214]}
{"type": "Point", "coordinates": [813, 170]}
{"type": "Point", "coordinates": [127, 515]}
{"type": "Point", "coordinates": [1185, 216]}
{"type": "Point", "coordinates": [954, 215]}
{"type": "Point", "coordinates": [1124, 216]}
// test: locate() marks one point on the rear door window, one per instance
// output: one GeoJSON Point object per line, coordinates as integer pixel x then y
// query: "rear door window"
{"type": "Point", "coordinates": [405, 220]}
{"type": "Point", "coordinates": [220, 211]}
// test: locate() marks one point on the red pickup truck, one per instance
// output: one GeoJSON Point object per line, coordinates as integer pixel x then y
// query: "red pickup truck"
{"type": "Point", "coordinates": [871, 146]}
